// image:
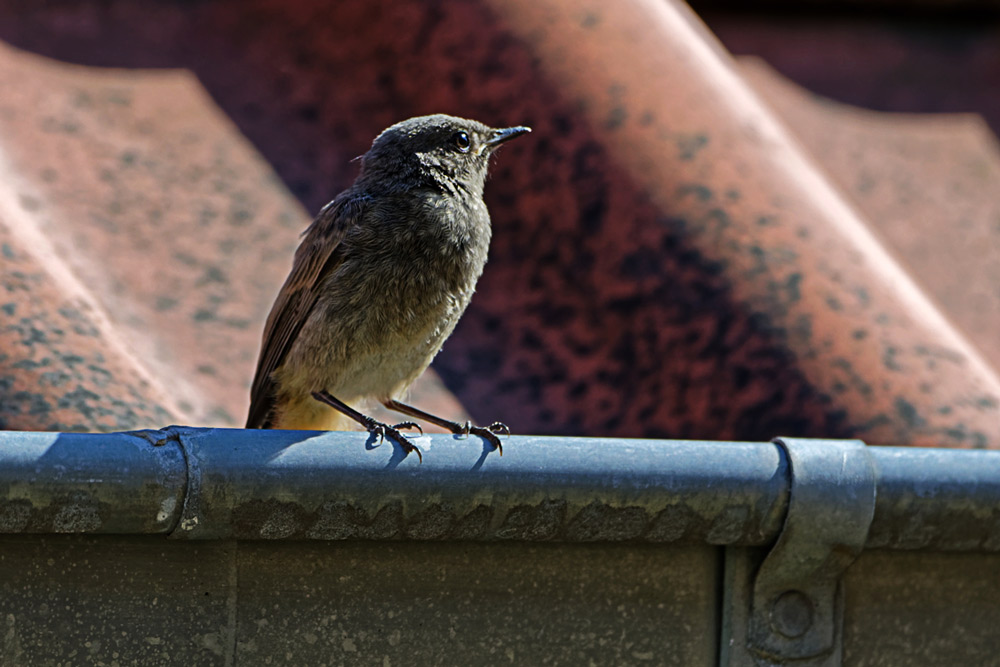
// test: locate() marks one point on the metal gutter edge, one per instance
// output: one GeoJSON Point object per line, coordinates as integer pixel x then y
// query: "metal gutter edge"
{"type": "Point", "coordinates": [203, 483]}
{"type": "Point", "coordinates": [278, 484]}
{"type": "Point", "coordinates": [936, 499]}
{"type": "Point", "coordinates": [91, 483]}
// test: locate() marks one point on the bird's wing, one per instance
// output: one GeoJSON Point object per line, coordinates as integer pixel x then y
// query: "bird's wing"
{"type": "Point", "coordinates": [319, 254]}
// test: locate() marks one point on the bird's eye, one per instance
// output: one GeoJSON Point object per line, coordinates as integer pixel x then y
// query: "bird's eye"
{"type": "Point", "coordinates": [461, 141]}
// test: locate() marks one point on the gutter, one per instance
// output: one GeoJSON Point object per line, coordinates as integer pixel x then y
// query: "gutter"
{"type": "Point", "coordinates": [207, 483]}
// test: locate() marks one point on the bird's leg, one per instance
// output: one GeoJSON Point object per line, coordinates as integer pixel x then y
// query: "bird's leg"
{"type": "Point", "coordinates": [489, 433]}
{"type": "Point", "coordinates": [374, 427]}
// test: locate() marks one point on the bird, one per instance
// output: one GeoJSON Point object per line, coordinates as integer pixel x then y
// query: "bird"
{"type": "Point", "coordinates": [378, 283]}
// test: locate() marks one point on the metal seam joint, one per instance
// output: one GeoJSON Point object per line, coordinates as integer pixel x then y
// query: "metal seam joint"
{"type": "Point", "coordinates": [188, 517]}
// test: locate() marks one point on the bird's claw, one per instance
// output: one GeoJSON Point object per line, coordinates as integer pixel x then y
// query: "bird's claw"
{"type": "Point", "coordinates": [499, 428]}
{"type": "Point", "coordinates": [384, 431]}
{"type": "Point", "coordinates": [489, 435]}
{"type": "Point", "coordinates": [402, 425]}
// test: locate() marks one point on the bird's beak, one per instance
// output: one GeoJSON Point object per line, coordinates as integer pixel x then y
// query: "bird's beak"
{"type": "Point", "coordinates": [506, 134]}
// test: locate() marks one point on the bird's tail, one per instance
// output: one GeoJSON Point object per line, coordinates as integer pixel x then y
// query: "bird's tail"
{"type": "Point", "coordinates": [311, 415]}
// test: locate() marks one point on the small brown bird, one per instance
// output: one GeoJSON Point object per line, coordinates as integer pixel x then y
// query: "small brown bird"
{"type": "Point", "coordinates": [379, 282]}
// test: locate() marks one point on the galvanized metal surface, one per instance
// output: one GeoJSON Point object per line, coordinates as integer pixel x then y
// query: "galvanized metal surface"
{"type": "Point", "coordinates": [931, 500]}
{"type": "Point", "coordinates": [220, 483]}
{"type": "Point", "coordinates": [796, 606]}
{"type": "Point", "coordinates": [445, 562]}
{"type": "Point", "coordinates": [117, 600]}
{"type": "Point", "coordinates": [148, 600]}
{"type": "Point", "coordinates": [922, 608]}
{"type": "Point", "coordinates": [89, 483]}
{"type": "Point", "coordinates": [575, 489]}
{"type": "Point", "coordinates": [788, 606]}
{"type": "Point", "coordinates": [286, 484]}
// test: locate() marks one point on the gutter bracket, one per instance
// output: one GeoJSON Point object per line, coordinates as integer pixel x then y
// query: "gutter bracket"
{"type": "Point", "coordinates": [790, 610]}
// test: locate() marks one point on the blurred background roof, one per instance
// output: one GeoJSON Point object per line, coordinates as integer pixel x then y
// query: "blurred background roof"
{"type": "Point", "coordinates": [689, 245]}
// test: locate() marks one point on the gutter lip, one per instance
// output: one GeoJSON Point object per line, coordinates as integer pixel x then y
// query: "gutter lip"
{"type": "Point", "coordinates": [212, 483]}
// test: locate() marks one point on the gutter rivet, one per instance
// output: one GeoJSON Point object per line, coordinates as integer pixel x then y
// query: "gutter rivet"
{"type": "Point", "coordinates": [792, 614]}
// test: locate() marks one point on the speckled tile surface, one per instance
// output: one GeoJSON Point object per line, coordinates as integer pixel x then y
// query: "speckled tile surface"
{"type": "Point", "coordinates": [61, 367]}
{"type": "Point", "coordinates": [153, 239]}
{"type": "Point", "coordinates": [796, 256]}
{"type": "Point", "coordinates": [667, 259]}
{"type": "Point", "coordinates": [144, 195]}
{"type": "Point", "coordinates": [927, 184]}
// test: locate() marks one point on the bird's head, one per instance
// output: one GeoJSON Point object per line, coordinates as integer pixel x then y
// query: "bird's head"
{"type": "Point", "coordinates": [439, 150]}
